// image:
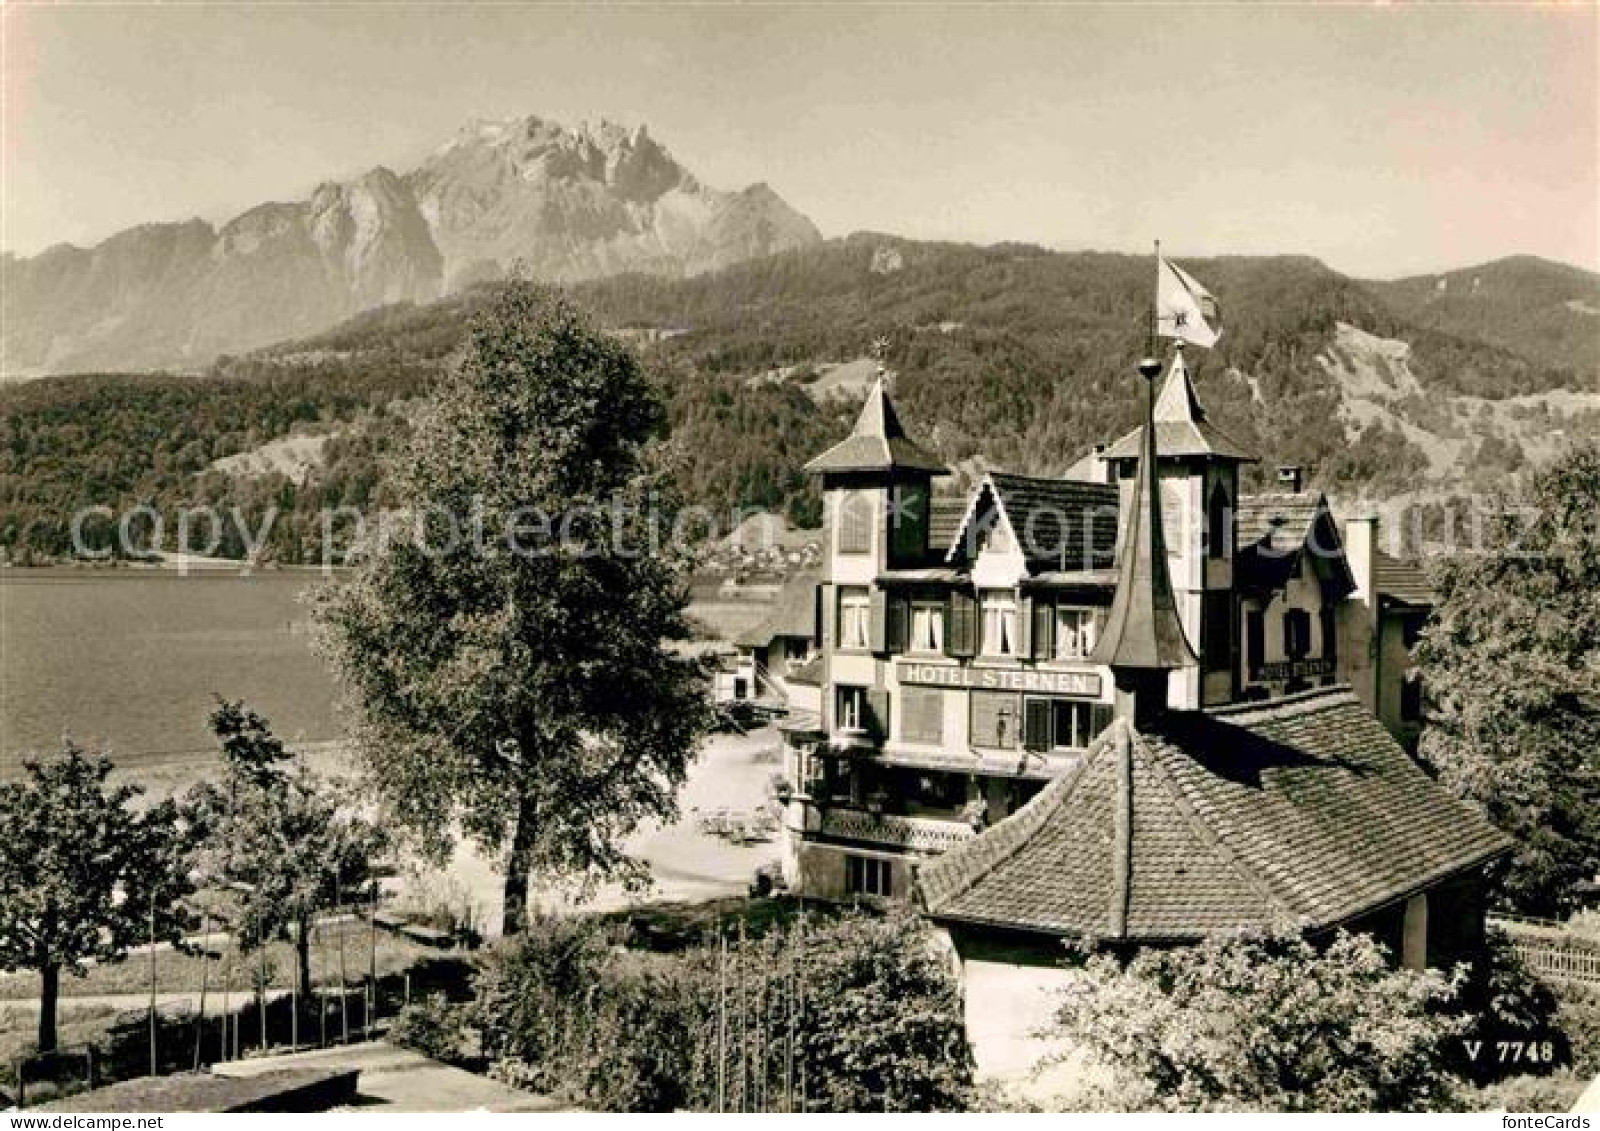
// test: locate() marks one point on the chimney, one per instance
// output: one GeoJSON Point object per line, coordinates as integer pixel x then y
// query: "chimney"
{"type": "Point", "coordinates": [1361, 621]}
{"type": "Point", "coordinates": [1290, 477]}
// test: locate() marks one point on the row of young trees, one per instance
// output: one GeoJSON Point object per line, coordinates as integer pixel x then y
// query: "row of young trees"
{"type": "Point", "coordinates": [88, 872]}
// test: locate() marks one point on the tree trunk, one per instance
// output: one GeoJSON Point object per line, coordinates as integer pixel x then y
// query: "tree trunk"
{"type": "Point", "coordinates": [302, 949]}
{"type": "Point", "coordinates": [49, 995]}
{"type": "Point", "coordinates": [519, 869]}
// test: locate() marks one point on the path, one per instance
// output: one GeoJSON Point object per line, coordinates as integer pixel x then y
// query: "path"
{"type": "Point", "coordinates": [398, 1078]}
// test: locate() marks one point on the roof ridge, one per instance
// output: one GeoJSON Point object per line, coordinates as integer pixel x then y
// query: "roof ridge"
{"type": "Point", "coordinates": [1201, 829]}
{"type": "Point", "coordinates": [1299, 703]}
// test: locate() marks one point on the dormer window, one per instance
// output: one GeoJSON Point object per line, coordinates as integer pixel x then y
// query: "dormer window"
{"type": "Point", "coordinates": [1075, 633]}
{"type": "Point", "coordinates": [999, 608]}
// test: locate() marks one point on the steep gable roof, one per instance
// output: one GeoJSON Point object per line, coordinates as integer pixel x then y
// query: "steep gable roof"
{"type": "Point", "coordinates": [1303, 810]}
{"type": "Point", "coordinates": [1057, 523]}
{"type": "Point", "coordinates": [1274, 529]}
{"type": "Point", "coordinates": [878, 442]}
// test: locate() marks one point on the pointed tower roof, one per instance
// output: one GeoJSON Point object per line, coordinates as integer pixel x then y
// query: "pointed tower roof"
{"type": "Point", "coordinates": [1181, 425]}
{"type": "Point", "coordinates": [1143, 632]}
{"type": "Point", "coordinates": [878, 442]}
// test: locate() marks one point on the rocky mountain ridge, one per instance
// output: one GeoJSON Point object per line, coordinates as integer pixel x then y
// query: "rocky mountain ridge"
{"type": "Point", "coordinates": [560, 204]}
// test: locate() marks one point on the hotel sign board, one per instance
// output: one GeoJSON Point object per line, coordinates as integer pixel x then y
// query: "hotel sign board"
{"type": "Point", "coordinates": [998, 679]}
{"type": "Point", "coordinates": [1294, 669]}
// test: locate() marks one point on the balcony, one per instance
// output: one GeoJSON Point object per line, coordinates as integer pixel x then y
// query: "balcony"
{"type": "Point", "coordinates": [915, 834]}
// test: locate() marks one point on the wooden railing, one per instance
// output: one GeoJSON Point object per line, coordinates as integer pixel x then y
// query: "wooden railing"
{"type": "Point", "coordinates": [918, 834]}
{"type": "Point", "coordinates": [1549, 951]}
{"type": "Point", "coordinates": [1563, 963]}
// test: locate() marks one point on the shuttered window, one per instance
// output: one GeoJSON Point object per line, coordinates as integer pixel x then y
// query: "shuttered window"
{"type": "Point", "coordinates": [1255, 639]}
{"type": "Point", "coordinates": [908, 521]}
{"type": "Point", "coordinates": [921, 715]}
{"type": "Point", "coordinates": [996, 720]}
{"type": "Point", "coordinates": [1053, 723]}
{"type": "Point", "coordinates": [927, 627]}
{"type": "Point", "coordinates": [963, 624]}
{"type": "Point", "coordinates": [855, 617]}
{"type": "Point", "coordinates": [999, 623]}
{"type": "Point", "coordinates": [1216, 631]}
{"type": "Point", "coordinates": [1296, 633]}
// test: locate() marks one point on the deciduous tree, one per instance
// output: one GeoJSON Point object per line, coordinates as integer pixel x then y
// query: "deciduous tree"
{"type": "Point", "coordinates": [520, 683]}
{"type": "Point", "coordinates": [292, 843]}
{"type": "Point", "coordinates": [84, 873]}
{"type": "Point", "coordinates": [1511, 666]}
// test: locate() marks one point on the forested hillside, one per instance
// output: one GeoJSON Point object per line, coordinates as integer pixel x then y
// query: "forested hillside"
{"type": "Point", "coordinates": [1007, 355]}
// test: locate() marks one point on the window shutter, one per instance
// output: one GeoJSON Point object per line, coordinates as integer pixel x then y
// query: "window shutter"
{"type": "Point", "coordinates": [962, 630]}
{"type": "Point", "coordinates": [899, 624]}
{"type": "Point", "coordinates": [921, 715]}
{"type": "Point", "coordinates": [878, 614]}
{"type": "Point", "coordinates": [877, 720]}
{"type": "Point", "coordinates": [1036, 724]}
{"type": "Point", "coordinates": [1044, 624]}
{"type": "Point", "coordinates": [993, 720]}
{"type": "Point", "coordinates": [817, 618]}
{"type": "Point", "coordinates": [1024, 640]}
{"type": "Point", "coordinates": [825, 615]}
{"type": "Point", "coordinates": [1099, 718]}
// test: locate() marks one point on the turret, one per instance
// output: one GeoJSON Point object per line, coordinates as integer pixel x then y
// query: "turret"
{"type": "Point", "coordinates": [877, 487]}
{"type": "Point", "coordinates": [1143, 640]}
{"type": "Point", "coordinates": [1197, 466]}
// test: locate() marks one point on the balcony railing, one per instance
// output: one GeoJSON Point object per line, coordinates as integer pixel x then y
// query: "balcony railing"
{"type": "Point", "coordinates": [918, 834]}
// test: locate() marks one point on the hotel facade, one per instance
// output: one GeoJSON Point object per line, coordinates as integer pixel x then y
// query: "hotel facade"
{"type": "Point", "coordinates": [966, 677]}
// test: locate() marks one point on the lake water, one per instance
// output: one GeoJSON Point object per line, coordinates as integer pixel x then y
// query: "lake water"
{"type": "Point", "coordinates": [131, 659]}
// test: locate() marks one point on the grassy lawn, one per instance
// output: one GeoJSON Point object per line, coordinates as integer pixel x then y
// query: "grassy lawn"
{"type": "Point", "coordinates": [177, 972]}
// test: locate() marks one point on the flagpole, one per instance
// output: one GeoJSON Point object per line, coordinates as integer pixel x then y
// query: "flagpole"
{"type": "Point", "coordinates": [1155, 297]}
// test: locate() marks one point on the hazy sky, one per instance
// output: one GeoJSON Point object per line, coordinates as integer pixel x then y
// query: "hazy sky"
{"type": "Point", "coordinates": [1383, 139]}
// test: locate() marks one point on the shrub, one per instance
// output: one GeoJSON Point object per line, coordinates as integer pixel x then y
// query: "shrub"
{"type": "Point", "coordinates": [434, 1027]}
{"type": "Point", "coordinates": [1267, 1023]}
{"type": "Point", "coordinates": [854, 1014]}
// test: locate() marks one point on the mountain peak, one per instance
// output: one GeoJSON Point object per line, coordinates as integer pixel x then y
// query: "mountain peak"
{"type": "Point", "coordinates": [568, 203]}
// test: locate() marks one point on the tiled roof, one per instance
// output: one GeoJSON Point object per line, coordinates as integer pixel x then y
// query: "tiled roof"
{"type": "Point", "coordinates": [877, 443]}
{"type": "Point", "coordinates": [1401, 581]}
{"type": "Point", "coordinates": [945, 513]}
{"type": "Point", "coordinates": [1181, 425]}
{"type": "Point", "coordinates": [1275, 528]}
{"type": "Point", "coordinates": [794, 613]}
{"type": "Point", "coordinates": [1284, 515]}
{"type": "Point", "coordinates": [1183, 438]}
{"type": "Point", "coordinates": [1303, 810]}
{"type": "Point", "coordinates": [1055, 521]}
